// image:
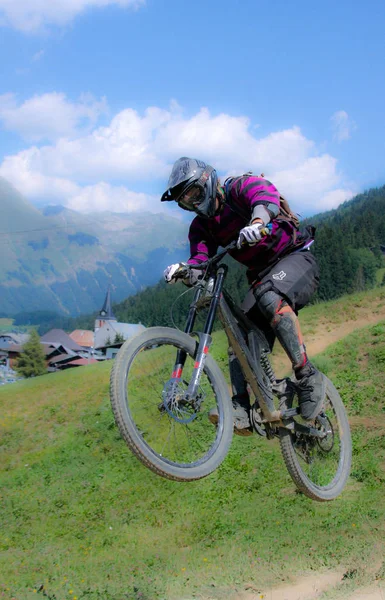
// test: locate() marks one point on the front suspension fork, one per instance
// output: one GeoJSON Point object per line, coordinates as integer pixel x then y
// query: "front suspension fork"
{"type": "Point", "coordinates": [205, 339]}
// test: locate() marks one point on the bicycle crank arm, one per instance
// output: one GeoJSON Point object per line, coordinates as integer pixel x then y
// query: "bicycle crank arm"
{"type": "Point", "coordinates": [307, 430]}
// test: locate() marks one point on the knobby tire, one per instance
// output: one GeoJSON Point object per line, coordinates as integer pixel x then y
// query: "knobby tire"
{"type": "Point", "coordinates": [132, 435]}
{"type": "Point", "coordinates": [333, 489]}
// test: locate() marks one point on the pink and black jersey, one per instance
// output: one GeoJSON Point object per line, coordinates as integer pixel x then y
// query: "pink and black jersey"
{"type": "Point", "coordinates": [242, 195]}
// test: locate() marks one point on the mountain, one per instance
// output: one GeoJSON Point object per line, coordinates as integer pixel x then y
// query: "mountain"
{"type": "Point", "coordinates": [16, 212]}
{"type": "Point", "coordinates": [63, 261]}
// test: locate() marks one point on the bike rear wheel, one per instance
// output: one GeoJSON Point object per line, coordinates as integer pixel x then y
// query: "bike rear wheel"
{"type": "Point", "coordinates": [170, 434]}
{"type": "Point", "coordinates": [320, 467]}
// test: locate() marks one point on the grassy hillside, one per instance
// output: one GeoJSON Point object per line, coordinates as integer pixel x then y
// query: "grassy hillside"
{"type": "Point", "coordinates": [82, 518]}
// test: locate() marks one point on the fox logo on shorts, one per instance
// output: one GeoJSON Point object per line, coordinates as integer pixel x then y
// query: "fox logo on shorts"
{"type": "Point", "coordinates": [281, 275]}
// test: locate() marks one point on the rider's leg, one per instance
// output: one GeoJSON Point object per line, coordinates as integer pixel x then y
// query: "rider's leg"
{"type": "Point", "coordinates": [283, 321]}
{"type": "Point", "coordinates": [240, 398]}
{"type": "Point", "coordinates": [285, 324]}
{"type": "Point", "coordinates": [281, 293]}
{"type": "Point", "coordinates": [238, 382]}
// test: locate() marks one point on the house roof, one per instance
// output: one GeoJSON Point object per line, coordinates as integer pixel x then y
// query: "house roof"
{"type": "Point", "coordinates": [61, 358]}
{"type": "Point", "coordinates": [58, 336]}
{"type": "Point", "coordinates": [49, 349]}
{"type": "Point", "coordinates": [15, 338]}
{"type": "Point", "coordinates": [80, 362]}
{"type": "Point", "coordinates": [15, 348]}
{"type": "Point", "coordinates": [83, 337]}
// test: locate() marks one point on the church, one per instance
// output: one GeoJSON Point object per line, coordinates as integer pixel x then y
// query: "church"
{"type": "Point", "coordinates": [108, 331]}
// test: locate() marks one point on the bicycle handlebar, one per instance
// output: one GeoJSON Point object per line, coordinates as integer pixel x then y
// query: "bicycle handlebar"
{"type": "Point", "coordinates": [214, 259]}
{"type": "Point", "coordinates": [211, 261]}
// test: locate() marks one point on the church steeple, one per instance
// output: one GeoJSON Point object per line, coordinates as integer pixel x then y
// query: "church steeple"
{"type": "Point", "coordinates": [106, 313]}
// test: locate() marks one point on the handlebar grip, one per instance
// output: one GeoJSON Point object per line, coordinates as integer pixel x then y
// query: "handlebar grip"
{"type": "Point", "coordinates": [267, 229]}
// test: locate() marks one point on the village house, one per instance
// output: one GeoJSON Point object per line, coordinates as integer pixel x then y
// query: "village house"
{"type": "Point", "coordinates": [79, 348]}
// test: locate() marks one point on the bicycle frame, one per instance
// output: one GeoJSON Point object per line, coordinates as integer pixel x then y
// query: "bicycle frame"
{"type": "Point", "coordinates": [249, 357]}
{"type": "Point", "coordinates": [220, 302]}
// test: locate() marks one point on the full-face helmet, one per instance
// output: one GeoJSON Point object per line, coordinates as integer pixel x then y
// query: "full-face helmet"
{"type": "Point", "coordinates": [193, 185]}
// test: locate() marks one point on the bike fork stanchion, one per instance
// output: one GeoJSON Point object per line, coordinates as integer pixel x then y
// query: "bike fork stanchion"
{"type": "Point", "coordinates": [205, 339]}
{"type": "Point", "coordinates": [181, 355]}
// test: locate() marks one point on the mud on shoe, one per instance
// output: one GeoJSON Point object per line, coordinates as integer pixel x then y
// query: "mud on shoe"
{"type": "Point", "coordinates": [311, 388]}
{"type": "Point", "coordinates": [242, 425]}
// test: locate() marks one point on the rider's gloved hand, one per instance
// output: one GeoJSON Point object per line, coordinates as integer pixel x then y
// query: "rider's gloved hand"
{"type": "Point", "coordinates": [170, 273]}
{"type": "Point", "coordinates": [192, 277]}
{"type": "Point", "coordinates": [250, 234]}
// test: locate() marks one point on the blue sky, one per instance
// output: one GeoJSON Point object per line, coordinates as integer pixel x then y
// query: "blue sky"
{"type": "Point", "coordinates": [99, 97]}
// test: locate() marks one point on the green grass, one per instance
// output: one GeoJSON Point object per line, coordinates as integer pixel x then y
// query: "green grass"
{"type": "Point", "coordinates": [5, 322]}
{"type": "Point", "coordinates": [336, 312]}
{"type": "Point", "coordinates": [380, 275]}
{"type": "Point", "coordinates": [5, 325]}
{"type": "Point", "coordinates": [83, 518]}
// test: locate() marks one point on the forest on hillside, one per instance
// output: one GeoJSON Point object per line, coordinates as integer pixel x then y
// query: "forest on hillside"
{"type": "Point", "coordinates": [349, 247]}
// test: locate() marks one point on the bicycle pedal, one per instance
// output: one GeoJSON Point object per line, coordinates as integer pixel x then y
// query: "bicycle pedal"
{"type": "Point", "coordinates": [256, 421]}
{"type": "Point", "coordinates": [290, 413]}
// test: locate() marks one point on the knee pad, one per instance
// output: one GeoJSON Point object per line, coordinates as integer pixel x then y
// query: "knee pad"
{"type": "Point", "coordinates": [284, 323]}
{"type": "Point", "coordinates": [269, 302]}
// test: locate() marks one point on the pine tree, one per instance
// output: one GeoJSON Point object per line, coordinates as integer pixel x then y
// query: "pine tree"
{"type": "Point", "coordinates": [118, 338]}
{"type": "Point", "coordinates": [31, 361]}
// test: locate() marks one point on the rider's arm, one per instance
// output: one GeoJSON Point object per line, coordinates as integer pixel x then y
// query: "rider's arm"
{"type": "Point", "coordinates": [259, 196]}
{"type": "Point", "coordinates": [202, 244]}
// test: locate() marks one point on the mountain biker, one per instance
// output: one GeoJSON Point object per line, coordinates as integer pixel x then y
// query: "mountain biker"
{"type": "Point", "coordinates": [283, 274]}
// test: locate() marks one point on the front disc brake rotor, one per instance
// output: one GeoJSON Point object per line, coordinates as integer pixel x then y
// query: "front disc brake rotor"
{"type": "Point", "coordinates": [175, 403]}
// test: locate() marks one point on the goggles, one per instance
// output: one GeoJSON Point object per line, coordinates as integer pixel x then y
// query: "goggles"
{"type": "Point", "coordinates": [191, 199]}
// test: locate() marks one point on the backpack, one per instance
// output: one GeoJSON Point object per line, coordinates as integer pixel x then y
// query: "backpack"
{"type": "Point", "coordinates": [285, 212]}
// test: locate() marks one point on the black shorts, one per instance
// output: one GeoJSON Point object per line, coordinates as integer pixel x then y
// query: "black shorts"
{"type": "Point", "coordinates": [295, 277]}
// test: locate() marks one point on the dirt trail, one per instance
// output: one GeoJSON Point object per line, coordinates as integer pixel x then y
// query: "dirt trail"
{"type": "Point", "coordinates": [321, 339]}
{"type": "Point", "coordinates": [308, 587]}
{"type": "Point", "coordinates": [323, 336]}
{"type": "Point", "coordinates": [314, 586]}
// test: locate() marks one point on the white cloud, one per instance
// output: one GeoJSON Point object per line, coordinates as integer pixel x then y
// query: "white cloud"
{"type": "Point", "coordinates": [94, 171]}
{"type": "Point", "coordinates": [228, 141]}
{"type": "Point", "coordinates": [34, 183]}
{"type": "Point", "coordinates": [36, 15]}
{"type": "Point", "coordinates": [342, 126]}
{"type": "Point", "coordinates": [49, 116]}
{"type": "Point", "coordinates": [335, 198]}
{"type": "Point", "coordinates": [105, 197]}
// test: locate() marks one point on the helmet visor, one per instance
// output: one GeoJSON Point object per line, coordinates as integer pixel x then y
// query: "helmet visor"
{"type": "Point", "coordinates": [191, 199]}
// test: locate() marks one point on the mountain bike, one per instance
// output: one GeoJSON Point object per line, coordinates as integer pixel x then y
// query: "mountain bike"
{"type": "Point", "coordinates": [164, 384]}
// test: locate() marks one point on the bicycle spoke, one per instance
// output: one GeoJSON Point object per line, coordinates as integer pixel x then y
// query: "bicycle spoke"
{"type": "Point", "coordinates": [169, 423]}
{"type": "Point", "coordinates": [320, 459]}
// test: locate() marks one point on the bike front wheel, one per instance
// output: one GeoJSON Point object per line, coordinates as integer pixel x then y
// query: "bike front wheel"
{"type": "Point", "coordinates": [170, 433]}
{"type": "Point", "coordinates": [320, 467]}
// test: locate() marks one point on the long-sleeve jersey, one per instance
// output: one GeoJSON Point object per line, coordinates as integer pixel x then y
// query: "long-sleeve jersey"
{"type": "Point", "coordinates": [243, 194]}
